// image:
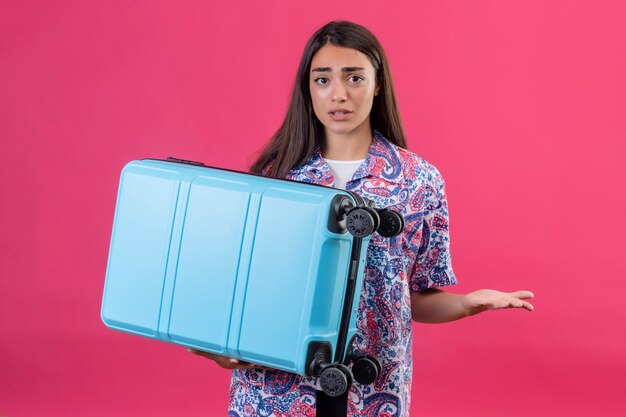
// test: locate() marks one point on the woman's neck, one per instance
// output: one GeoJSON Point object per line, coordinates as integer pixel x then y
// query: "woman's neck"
{"type": "Point", "coordinates": [347, 147]}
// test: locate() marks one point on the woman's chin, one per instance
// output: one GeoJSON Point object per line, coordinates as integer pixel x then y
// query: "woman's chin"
{"type": "Point", "coordinates": [337, 129]}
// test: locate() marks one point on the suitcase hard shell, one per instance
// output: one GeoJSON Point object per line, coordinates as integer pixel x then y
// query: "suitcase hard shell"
{"type": "Point", "coordinates": [240, 265]}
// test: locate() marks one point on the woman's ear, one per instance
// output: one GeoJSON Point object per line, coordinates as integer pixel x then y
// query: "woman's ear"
{"type": "Point", "coordinates": [377, 89]}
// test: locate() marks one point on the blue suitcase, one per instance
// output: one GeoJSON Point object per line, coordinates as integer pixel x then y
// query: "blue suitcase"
{"type": "Point", "coordinates": [259, 269]}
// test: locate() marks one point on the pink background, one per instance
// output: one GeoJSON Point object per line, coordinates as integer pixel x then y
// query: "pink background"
{"type": "Point", "coordinates": [520, 104]}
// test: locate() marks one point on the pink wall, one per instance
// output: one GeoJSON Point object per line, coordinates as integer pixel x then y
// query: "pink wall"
{"type": "Point", "coordinates": [521, 104]}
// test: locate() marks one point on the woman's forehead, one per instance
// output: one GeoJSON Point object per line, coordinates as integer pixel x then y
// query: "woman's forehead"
{"type": "Point", "coordinates": [337, 57]}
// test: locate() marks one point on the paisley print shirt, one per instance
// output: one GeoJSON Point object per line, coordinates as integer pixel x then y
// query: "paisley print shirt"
{"type": "Point", "coordinates": [417, 259]}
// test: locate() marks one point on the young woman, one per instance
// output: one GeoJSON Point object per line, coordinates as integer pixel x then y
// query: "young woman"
{"type": "Point", "coordinates": [342, 129]}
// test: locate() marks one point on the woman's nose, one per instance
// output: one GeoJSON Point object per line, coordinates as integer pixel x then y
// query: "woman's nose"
{"type": "Point", "coordinates": [339, 94]}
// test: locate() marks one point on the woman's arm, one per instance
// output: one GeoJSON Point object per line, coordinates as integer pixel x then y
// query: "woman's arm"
{"type": "Point", "coordinates": [436, 306]}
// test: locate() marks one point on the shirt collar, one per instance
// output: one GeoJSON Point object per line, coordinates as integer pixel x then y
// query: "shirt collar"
{"type": "Point", "coordinates": [382, 162]}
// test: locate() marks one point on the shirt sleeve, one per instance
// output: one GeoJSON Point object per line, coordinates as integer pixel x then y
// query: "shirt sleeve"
{"type": "Point", "coordinates": [433, 264]}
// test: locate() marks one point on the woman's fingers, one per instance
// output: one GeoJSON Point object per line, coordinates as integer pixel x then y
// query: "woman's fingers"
{"type": "Point", "coordinates": [224, 362]}
{"type": "Point", "coordinates": [205, 354]}
{"type": "Point", "coordinates": [522, 294]}
{"type": "Point", "coordinates": [516, 303]}
{"type": "Point", "coordinates": [520, 297]}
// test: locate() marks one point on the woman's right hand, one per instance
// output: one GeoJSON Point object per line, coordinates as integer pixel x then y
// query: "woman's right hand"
{"type": "Point", "coordinates": [224, 362]}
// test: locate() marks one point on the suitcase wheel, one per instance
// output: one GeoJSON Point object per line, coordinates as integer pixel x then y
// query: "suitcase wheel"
{"type": "Point", "coordinates": [360, 222]}
{"type": "Point", "coordinates": [391, 223]}
{"type": "Point", "coordinates": [347, 371]}
{"type": "Point", "coordinates": [366, 369]}
{"type": "Point", "coordinates": [375, 216]}
{"type": "Point", "coordinates": [335, 380]}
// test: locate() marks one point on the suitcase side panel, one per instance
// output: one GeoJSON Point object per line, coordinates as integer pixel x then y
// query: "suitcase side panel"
{"type": "Point", "coordinates": [329, 287]}
{"type": "Point", "coordinates": [139, 249]}
{"type": "Point", "coordinates": [288, 238]}
{"type": "Point", "coordinates": [208, 262]}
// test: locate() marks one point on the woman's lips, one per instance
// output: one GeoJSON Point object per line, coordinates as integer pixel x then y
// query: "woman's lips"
{"type": "Point", "coordinates": [339, 114]}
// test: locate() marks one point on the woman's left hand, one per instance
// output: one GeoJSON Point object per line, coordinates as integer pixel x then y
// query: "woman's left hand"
{"type": "Point", "coordinates": [482, 300]}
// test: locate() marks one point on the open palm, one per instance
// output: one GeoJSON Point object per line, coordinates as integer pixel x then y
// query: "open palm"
{"type": "Point", "coordinates": [482, 300]}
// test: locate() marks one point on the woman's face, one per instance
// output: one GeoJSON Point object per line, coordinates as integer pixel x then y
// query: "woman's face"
{"type": "Point", "coordinates": [343, 85]}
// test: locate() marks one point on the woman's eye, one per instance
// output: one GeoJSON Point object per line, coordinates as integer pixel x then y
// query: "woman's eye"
{"type": "Point", "coordinates": [321, 80]}
{"type": "Point", "coordinates": [355, 79]}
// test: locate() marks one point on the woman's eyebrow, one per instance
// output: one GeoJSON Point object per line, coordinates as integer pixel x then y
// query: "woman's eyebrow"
{"type": "Point", "coordinates": [344, 69]}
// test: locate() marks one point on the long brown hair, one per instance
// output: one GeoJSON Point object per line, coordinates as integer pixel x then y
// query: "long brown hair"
{"type": "Point", "coordinates": [301, 131]}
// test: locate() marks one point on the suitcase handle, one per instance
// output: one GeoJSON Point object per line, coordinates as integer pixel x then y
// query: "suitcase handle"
{"type": "Point", "coordinates": [183, 161]}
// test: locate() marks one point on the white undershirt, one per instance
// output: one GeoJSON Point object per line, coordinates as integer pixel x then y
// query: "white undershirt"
{"type": "Point", "coordinates": [343, 170]}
